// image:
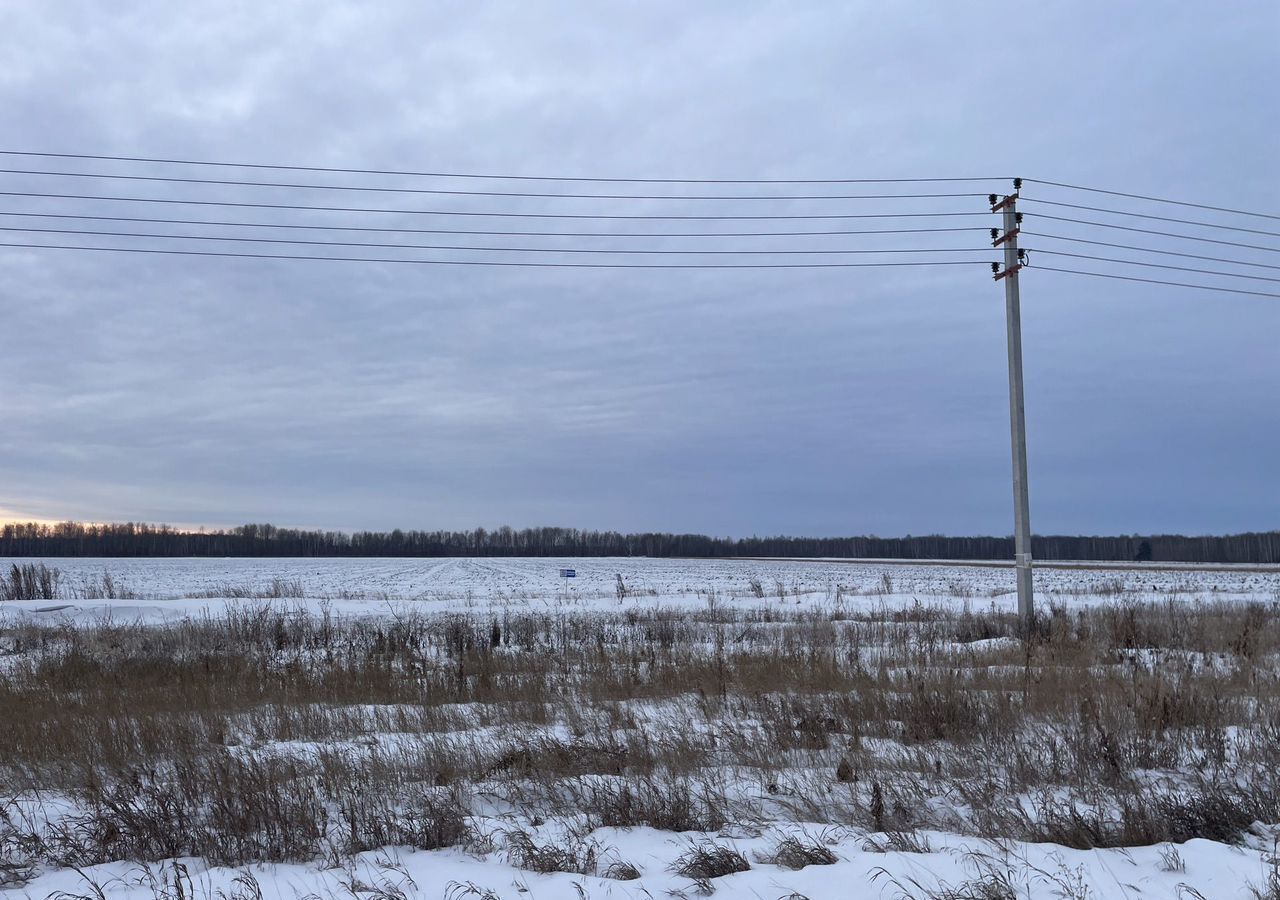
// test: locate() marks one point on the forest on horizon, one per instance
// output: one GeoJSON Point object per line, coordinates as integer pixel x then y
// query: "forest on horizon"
{"type": "Point", "coordinates": [75, 539]}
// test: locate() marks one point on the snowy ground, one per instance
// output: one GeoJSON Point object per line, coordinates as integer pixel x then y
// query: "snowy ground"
{"type": "Point", "coordinates": [864, 862]}
{"type": "Point", "coordinates": [366, 585]}
{"type": "Point", "coordinates": [1208, 869]}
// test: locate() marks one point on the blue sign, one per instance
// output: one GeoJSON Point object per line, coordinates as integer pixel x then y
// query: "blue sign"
{"type": "Point", "coordinates": [568, 573]}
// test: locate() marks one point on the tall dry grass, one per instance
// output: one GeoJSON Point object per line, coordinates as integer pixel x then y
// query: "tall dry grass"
{"type": "Point", "coordinates": [272, 732]}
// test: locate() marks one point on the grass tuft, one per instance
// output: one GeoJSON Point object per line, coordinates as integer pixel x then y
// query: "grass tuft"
{"type": "Point", "coordinates": [792, 853]}
{"type": "Point", "coordinates": [707, 860]}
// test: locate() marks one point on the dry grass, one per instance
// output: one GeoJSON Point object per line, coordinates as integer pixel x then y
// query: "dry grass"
{"type": "Point", "coordinates": [267, 733]}
{"type": "Point", "coordinates": [30, 582]}
{"type": "Point", "coordinates": [707, 860]}
{"type": "Point", "coordinates": [793, 853]}
{"type": "Point", "coordinates": [569, 855]}
{"type": "Point", "coordinates": [36, 581]}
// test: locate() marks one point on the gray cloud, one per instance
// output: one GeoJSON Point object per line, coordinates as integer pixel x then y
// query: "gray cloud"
{"type": "Point", "coordinates": [822, 401]}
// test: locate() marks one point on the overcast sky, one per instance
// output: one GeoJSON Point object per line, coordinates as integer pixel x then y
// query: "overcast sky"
{"type": "Point", "coordinates": [841, 401]}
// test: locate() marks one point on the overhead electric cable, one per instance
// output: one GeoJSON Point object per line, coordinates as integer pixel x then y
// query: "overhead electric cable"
{"type": "Point", "coordinates": [442, 191]}
{"type": "Point", "coordinates": [506, 215]}
{"type": "Point", "coordinates": [602, 234]}
{"type": "Point", "coordinates": [1138, 215]}
{"type": "Point", "coordinates": [1202, 287]}
{"type": "Point", "coordinates": [411, 174]}
{"type": "Point", "coordinates": [1222, 209]}
{"type": "Point", "coordinates": [1221, 259]}
{"type": "Point", "coordinates": [1151, 265]}
{"type": "Point", "coordinates": [1171, 234]}
{"type": "Point", "coordinates": [380, 245]}
{"type": "Point", "coordinates": [517, 264]}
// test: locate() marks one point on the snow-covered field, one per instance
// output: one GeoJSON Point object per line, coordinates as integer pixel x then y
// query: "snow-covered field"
{"type": "Point", "coordinates": [882, 715]}
{"type": "Point", "coordinates": [367, 585]}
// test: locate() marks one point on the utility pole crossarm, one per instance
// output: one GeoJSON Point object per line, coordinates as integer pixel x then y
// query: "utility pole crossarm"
{"type": "Point", "coordinates": [1017, 416]}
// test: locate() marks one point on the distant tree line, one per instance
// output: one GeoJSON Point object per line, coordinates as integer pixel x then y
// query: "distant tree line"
{"type": "Point", "coordinates": [135, 539]}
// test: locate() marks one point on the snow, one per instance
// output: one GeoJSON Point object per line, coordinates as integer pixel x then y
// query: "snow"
{"type": "Point", "coordinates": [1217, 871]}
{"type": "Point", "coordinates": [165, 589]}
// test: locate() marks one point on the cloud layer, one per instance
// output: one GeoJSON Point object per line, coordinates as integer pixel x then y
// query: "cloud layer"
{"type": "Point", "coordinates": [217, 391]}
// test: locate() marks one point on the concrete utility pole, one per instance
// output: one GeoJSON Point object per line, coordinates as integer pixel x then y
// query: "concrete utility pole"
{"type": "Point", "coordinates": [1017, 418]}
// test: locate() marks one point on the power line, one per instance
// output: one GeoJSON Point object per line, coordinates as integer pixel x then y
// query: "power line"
{"type": "Point", "coordinates": [1171, 234]}
{"type": "Point", "coordinates": [631, 235]}
{"type": "Point", "coordinates": [607, 180]}
{"type": "Point", "coordinates": [1237, 262]}
{"type": "Point", "coordinates": [614, 217]}
{"type": "Point", "coordinates": [1150, 265]}
{"type": "Point", "coordinates": [1201, 287]}
{"type": "Point", "coordinates": [505, 215]}
{"type": "Point", "coordinates": [410, 174]}
{"type": "Point", "coordinates": [1224, 209]}
{"type": "Point", "coordinates": [517, 264]}
{"type": "Point", "coordinates": [1138, 215]}
{"type": "Point", "coordinates": [601, 250]}
{"type": "Point", "coordinates": [614, 234]}
{"type": "Point", "coordinates": [461, 193]}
